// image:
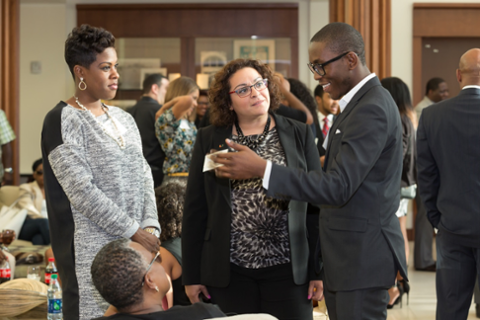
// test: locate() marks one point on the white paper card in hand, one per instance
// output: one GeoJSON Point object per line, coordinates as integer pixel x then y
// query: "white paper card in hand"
{"type": "Point", "coordinates": [209, 164]}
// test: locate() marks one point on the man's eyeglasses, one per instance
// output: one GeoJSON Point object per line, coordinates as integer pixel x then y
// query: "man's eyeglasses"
{"type": "Point", "coordinates": [320, 68]}
{"type": "Point", "coordinates": [247, 90]}
{"type": "Point", "coordinates": [150, 265]}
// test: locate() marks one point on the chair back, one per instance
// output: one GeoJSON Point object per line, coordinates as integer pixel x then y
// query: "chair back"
{"type": "Point", "coordinates": [8, 195]}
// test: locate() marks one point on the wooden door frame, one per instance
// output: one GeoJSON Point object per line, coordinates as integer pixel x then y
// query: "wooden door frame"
{"type": "Point", "coordinates": [442, 20]}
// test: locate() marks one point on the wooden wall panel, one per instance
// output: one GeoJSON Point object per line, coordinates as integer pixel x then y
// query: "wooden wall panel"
{"type": "Point", "coordinates": [189, 21]}
{"type": "Point", "coordinates": [372, 18]}
{"type": "Point", "coordinates": [9, 71]}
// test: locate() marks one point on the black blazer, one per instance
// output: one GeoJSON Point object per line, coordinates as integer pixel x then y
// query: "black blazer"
{"type": "Point", "coordinates": [448, 162]}
{"type": "Point", "coordinates": [207, 212]}
{"type": "Point", "coordinates": [361, 242]}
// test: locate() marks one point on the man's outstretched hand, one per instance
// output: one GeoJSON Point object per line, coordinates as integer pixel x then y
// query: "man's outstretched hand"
{"type": "Point", "coordinates": [241, 165]}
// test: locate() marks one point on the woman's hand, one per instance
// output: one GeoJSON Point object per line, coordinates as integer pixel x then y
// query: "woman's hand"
{"type": "Point", "coordinates": [315, 290]}
{"type": "Point", "coordinates": [194, 290]}
{"type": "Point", "coordinates": [147, 240]}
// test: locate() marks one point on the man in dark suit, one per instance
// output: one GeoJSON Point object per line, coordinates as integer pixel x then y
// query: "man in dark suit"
{"type": "Point", "coordinates": [358, 188]}
{"type": "Point", "coordinates": [448, 147]}
{"type": "Point", "coordinates": [154, 90]}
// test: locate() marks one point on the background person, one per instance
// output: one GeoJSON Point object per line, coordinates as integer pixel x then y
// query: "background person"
{"type": "Point", "coordinates": [449, 131]}
{"type": "Point", "coordinates": [154, 90]}
{"type": "Point", "coordinates": [132, 279]}
{"type": "Point", "coordinates": [175, 128]}
{"type": "Point", "coordinates": [401, 95]}
{"type": "Point", "coordinates": [248, 251]}
{"type": "Point", "coordinates": [436, 91]}
{"type": "Point", "coordinates": [202, 107]}
{"type": "Point", "coordinates": [32, 198]}
{"type": "Point", "coordinates": [170, 203]}
{"type": "Point", "coordinates": [6, 137]}
{"type": "Point", "coordinates": [98, 185]}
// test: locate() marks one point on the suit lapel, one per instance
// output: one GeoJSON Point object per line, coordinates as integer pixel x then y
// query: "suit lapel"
{"type": "Point", "coordinates": [287, 140]}
{"type": "Point", "coordinates": [344, 114]}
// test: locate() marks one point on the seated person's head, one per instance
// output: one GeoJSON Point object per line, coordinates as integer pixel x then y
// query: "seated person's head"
{"type": "Point", "coordinates": [37, 169]}
{"type": "Point", "coordinates": [121, 274]}
{"type": "Point", "coordinates": [170, 198]}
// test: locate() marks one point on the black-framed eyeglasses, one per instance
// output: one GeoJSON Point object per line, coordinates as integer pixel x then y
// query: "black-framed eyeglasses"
{"type": "Point", "coordinates": [247, 90]}
{"type": "Point", "coordinates": [150, 265]}
{"type": "Point", "coordinates": [319, 68]}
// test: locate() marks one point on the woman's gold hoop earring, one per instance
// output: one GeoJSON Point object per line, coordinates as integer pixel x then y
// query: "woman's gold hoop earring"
{"type": "Point", "coordinates": [80, 85]}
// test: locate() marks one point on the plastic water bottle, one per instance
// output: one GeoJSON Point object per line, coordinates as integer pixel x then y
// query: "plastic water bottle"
{"type": "Point", "coordinates": [54, 296]}
{"type": "Point", "coordinates": [5, 272]}
{"type": "Point", "coordinates": [50, 269]}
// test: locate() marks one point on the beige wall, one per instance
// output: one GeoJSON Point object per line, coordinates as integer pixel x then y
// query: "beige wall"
{"type": "Point", "coordinates": [42, 35]}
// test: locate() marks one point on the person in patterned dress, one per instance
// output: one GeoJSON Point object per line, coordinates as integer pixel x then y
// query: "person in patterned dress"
{"type": "Point", "coordinates": [175, 127]}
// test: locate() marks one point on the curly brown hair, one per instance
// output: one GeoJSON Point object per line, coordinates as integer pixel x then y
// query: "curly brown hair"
{"type": "Point", "coordinates": [170, 197]}
{"type": "Point", "coordinates": [220, 101]}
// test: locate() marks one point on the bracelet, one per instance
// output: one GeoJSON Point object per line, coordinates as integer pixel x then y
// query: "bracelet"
{"type": "Point", "coordinates": [153, 231]}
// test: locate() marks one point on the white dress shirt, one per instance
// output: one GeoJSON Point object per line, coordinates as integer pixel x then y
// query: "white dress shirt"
{"type": "Point", "coordinates": [343, 104]}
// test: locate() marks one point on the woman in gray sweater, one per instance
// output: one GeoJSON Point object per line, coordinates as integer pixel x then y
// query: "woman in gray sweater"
{"type": "Point", "coordinates": [98, 185]}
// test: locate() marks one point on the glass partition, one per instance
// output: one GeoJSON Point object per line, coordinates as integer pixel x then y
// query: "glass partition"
{"type": "Point", "coordinates": [211, 54]}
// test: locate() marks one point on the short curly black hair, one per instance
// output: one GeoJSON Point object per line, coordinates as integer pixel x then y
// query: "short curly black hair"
{"type": "Point", "coordinates": [117, 273]}
{"type": "Point", "coordinates": [83, 45]}
{"type": "Point", "coordinates": [220, 101]}
{"type": "Point", "coordinates": [170, 198]}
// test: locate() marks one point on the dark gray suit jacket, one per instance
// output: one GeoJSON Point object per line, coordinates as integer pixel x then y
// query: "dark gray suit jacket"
{"type": "Point", "coordinates": [358, 190]}
{"type": "Point", "coordinates": [207, 212]}
{"type": "Point", "coordinates": [448, 147]}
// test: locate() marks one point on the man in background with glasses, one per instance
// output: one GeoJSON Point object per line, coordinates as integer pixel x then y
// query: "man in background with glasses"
{"type": "Point", "coordinates": [358, 189]}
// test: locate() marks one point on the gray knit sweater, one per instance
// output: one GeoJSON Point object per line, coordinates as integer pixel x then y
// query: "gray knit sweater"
{"type": "Point", "coordinates": [96, 192]}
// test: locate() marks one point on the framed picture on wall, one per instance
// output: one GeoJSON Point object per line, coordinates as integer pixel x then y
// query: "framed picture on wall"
{"type": "Point", "coordinates": [145, 72]}
{"type": "Point", "coordinates": [263, 50]}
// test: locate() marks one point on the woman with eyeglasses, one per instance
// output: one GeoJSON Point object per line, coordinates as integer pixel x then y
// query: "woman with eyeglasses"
{"type": "Point", "coordinates": [248, 252]}
{"type": "Point", "coordinates": [32, 198]}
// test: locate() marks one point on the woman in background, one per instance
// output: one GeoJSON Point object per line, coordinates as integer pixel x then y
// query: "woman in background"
{"type": "Point", "coordinates": [98, 185]}
{"type": "Point", "coordinates": [175, 127]}
{"type": "Point", "coordinates": [401, 95]}
{"type": "Point", "coordinates": [32, 198]}
{"type": "Point", "coordinates": [170, 199]}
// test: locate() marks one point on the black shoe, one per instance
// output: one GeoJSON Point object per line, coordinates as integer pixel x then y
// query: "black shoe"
{"type": "Point", "coordinates": [477, 308]}
{"type": "Point", "coordinates": [432, 268]}
{"type": "Point", "coordinates": [398, 299]}
{"type": "Point", "coordinates": [406, 287]}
